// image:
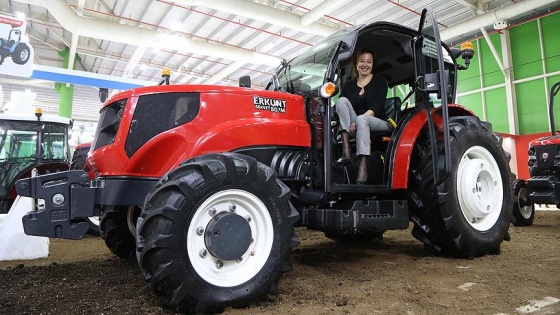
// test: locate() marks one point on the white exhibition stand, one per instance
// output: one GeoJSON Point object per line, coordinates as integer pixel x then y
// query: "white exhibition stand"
{"type": "Point", "coordinates": [14, 243]}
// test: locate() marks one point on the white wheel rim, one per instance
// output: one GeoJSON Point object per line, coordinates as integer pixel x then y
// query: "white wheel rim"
{"type": "Point", "coordinates": [480, 188]}
{"type": "Point", "coordinates": [231, 272]}
{"type": "Point", "coordinates": [23, 55]}
{"type": "Point", "coordinates": [131, 219]}
{"type": "Point", "coordinates": [522, 200]}
{"type": "Point", "coordinates": [94, 220]}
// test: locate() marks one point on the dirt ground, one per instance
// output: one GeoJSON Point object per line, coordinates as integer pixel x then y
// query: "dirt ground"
{"type": "Point", "coordinates": [392, 276]}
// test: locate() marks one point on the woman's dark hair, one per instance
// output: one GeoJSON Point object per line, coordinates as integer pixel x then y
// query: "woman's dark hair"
{"type": "Point", "coordinates": [355, 60]}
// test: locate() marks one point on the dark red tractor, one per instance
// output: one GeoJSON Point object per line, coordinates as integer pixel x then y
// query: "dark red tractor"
{"type": "Point", "coordinates": [544, 167]}
{"type": "Point", "coordinates": [79, 162]}
{"type": "Point", "coordinates": [204, 185]}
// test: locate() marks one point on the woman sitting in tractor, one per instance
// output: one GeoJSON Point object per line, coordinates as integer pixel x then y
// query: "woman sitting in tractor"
{"type": "Point", "coordinates": [361, 109]}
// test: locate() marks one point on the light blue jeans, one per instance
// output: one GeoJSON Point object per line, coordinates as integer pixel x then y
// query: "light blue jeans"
{"type": "Point", "coordinates": [364, 125]}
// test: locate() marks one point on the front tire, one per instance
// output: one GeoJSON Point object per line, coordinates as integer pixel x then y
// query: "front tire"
{"type": "Point", "coordinates": [523, 209]}
{"type": "Point", "coordinates": [116, 232]}
{"type": "Point", "coordinates": [468, 215]}
{"type": "Point", "coordinates": [216, 231]}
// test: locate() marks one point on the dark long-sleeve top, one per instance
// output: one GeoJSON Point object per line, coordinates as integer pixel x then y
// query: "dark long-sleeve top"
{"type": "Point", "coordinates": [373, 98]}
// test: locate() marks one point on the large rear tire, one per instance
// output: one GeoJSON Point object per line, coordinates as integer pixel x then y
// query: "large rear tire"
{"type": "Point", "coordinates": [523, 209]}
{"type": "Point", "coordinates": [468, 215]}
{"type": "Point", "coordinates": [216, 231]}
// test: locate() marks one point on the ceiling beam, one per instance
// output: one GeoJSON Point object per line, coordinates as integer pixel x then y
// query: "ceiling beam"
{"type": "Point", "coordinates": [267, 14]}
{"type": "Point", "coordinates": [321, 10]}
{"type": "Point", "coordinates": [475, 6]}
{"type": "Point", "coordinates": [489, 18]}
{"type": "Point", "coordinates": [139, 36]}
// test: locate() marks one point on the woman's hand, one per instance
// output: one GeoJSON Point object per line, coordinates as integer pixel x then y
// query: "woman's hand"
{"type": "Point", "coordinates": [352, 129]}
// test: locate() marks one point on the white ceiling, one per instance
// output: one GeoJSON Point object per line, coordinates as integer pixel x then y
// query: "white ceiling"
{"type": "Point", "coordinates": [214, 41]}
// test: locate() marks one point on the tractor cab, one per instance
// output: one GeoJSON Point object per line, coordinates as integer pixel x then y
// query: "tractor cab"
{"type": "Point", "coordinates": [28, 142]}
{"type": "Point", "coordinates": [421, 76]}
{"type": "Point", "coordinates": [14, 37]}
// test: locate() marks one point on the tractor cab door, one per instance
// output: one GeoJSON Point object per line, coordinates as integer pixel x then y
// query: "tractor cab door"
{"type": "Point", "coordinates": [431, 90]}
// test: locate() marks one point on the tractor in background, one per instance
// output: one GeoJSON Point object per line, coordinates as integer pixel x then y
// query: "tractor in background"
{"type": "Point", "coordinates": [544, 167]}
{"type": "Point", "coordinates": [79, 162]}
{"type": "Point", "coordinates": [27, 142]}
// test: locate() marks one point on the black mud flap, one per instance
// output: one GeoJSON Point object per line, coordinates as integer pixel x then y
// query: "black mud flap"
{"type": "Point", "coordinates": [60, 215]}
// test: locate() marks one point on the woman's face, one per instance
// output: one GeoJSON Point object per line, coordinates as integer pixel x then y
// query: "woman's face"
{"type": "Point", "coordinates": [364, 64]}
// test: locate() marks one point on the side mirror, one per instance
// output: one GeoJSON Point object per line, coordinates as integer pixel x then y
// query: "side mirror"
{"type": "Point", "coordinates": [455, 53]}
{"type": "Point", "coordinates": [245, 81]}
{"type": "Point", "coordinates": [103, 94]}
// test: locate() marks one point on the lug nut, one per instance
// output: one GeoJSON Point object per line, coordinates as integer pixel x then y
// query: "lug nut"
{"type": "Point", "coordinates": [199, 230]}
{"type": "Point", "coordinates": [212, 211]}
{"type": "Point", "coordinates": [220, 264]}
{"type": "Point", "coordinates": [203, 253]}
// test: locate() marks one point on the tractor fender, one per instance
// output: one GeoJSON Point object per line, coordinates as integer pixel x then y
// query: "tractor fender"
{"type": "Point", "coordinates": [409, 131]}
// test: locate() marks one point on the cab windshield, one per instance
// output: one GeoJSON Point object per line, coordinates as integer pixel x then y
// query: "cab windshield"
{"type": "Point", "coordinates": [25, 144]}
{"type": "Point", "coordinates": [18, 139]}
{"type": "Point", "coordinates": [306, 73]}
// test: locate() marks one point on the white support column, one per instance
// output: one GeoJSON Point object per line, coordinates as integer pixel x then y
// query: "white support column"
{"type": "Point", "coordinates": [546, 95]}
{"type": "Point", "coordinates": [483, 99]}
{"type": "Point", "coordinates": [493, 49]}
{"type": "Point", "coordinates": [511, 99]}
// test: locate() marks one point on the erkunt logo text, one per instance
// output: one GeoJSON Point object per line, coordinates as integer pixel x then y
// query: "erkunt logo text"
{"type": "Point", "coordinates": [271, 104]}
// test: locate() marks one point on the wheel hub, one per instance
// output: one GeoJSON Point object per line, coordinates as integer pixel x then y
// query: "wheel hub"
{"type": "Point", "coordinates": [525, 207]}
{"type": "Point", "coordinates": [480, 188]}
{"type": "Point", "coordinates": [228, 236]}
{"type": "Point", "coordinates": [478, 178]}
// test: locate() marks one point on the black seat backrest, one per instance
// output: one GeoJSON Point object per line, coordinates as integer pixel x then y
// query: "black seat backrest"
{"type": "Point", "coordinates": [393, 108]}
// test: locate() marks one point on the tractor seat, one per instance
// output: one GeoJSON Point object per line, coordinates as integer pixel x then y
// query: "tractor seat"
{"type": "Point", "coordinates": [392, 110]}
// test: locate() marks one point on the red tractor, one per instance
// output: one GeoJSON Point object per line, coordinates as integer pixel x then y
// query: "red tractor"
{"type": "Point", "coordinates": [205, 184]}
{"type": "Point", "coordinates": [544, 169]}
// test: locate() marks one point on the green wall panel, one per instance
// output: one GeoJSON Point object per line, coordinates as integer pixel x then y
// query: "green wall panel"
{"type": "Point", "coordinates": [472, 102]}
{"type": "Point", "coordinates": [525, 50]}
{"type": "Point", "coordinates": [551, 81]}
{"type": "Point", "coordinates": [550, 26]}
{"type": "Point", "coordinates": [496, 109]}
{"type": "Point", "coordinates": [531, 107]}
{"type": "Point", "coordinates": [469, 80]}
{"type": "Point", "coordinates": [492, 74]}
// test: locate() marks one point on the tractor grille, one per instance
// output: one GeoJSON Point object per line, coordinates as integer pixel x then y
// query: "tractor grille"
{"type": "Point", "coordinates": [109, 124]}
{"type": "Point", "coordinates": [156, 113]}
{"type": "Point", "coordinates": [545, 160]}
